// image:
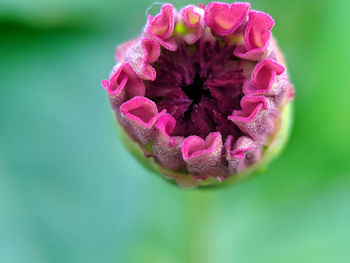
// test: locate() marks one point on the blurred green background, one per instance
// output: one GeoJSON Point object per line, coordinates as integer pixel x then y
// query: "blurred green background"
{"type": "Point", "coordinates": [70, 192]}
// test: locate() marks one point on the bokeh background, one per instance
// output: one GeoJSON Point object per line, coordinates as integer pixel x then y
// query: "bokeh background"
{"type": "Point", "coordinates": [71, 193]}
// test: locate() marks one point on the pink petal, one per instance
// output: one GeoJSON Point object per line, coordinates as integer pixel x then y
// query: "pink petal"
{"type": "Point", "coordinates": [161, 27]}
{"type": "Point", "coordinates": [146, 51]}
{"type": "Point", "coordinates": [224, 19]}
{"type": "Point", "coordinates": [257, 37]}
{"type": "Point", "coordinates": [254, 119]}
{"type": "Point", "coordinates": [139, 116]}
{"type": "Point", "coordinates": [264, 79]}
{"type": "Point", "coordinates": [121, 50]}
{"type": "Point", "coordinates": [193, 18]}
{"type": "Point", "coordinates": [258, 29]}
{"type": "Point", "coordinates": [151, 49]}
{"type": "Point", "coordinates": [151, 52]}
{"type": "Point", "coordinates": [203, 157]}
{"type": "Point", "coordinates": [167, 149]}
{"type": "Point", "coordinates": [241, 154]}
{"type": "Point", "coordinates": [123, 84]}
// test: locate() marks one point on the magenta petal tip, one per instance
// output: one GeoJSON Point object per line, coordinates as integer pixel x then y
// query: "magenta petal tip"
{"type": "Point", "coordinates": [223, 19]}
{"type": "Point", "coordinates": [161, 27]}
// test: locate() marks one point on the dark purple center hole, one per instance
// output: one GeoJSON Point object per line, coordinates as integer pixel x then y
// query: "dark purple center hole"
{"type": "Point", "coordinates": [195, 90]}
{"type": "Point", "coordinates": [199, 86]}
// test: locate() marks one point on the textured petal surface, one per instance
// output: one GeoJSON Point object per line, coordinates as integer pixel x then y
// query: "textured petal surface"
{"type": "Point", "coordinates": [123, 84]}
{"type": "Point", "coordinates": [139, 116]}
{"type": "Point", "coordinates": [167, 148]}
{"type": "Point", "coordinates": [264, 80]}
{"type": "Point", "coordinates": [161, 27]}
{"type": "Point", "coordinates": [223, 19]}
{"type": "Point", "coordinates": [122, 50]}
{"type": "Point", "coordinates": [256, 37]}
{"type": "Point", "coordinates": [203, 157]}
{"type": "Point", "coordinates": [143, 53]}
{"type": "Point", "coordinates": [241, 153]}
{"type": "Point", "coordinates": [254, 119]}
{"type": "Point", "coordinates": [192, 17]}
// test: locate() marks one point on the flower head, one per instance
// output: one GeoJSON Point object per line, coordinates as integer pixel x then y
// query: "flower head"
{"type": "Point", "coordinates": [203, 92]}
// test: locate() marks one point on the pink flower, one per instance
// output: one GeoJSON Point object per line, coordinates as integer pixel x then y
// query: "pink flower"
{"type": "Point", "coordinates": [203, 93]}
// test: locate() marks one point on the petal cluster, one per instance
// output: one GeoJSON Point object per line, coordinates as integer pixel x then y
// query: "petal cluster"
{"type": "Point", "coordinates": [202, 91]}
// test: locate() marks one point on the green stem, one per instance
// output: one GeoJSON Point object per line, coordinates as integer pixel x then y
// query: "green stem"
{"type": "Point", "coordinates": [199, 208]}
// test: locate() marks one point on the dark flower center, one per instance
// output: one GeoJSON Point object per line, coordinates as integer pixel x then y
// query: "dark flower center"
{"type": "Point", "coordinates": [199, 85]}
{"type": "Point", "coordinates": [195, 90]}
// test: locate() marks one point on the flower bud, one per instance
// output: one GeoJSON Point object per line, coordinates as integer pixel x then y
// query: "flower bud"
{"type": "Point", "coordinates": [203, 94]}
